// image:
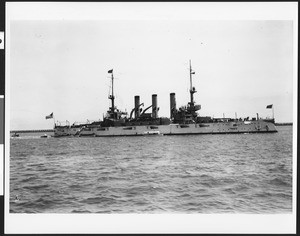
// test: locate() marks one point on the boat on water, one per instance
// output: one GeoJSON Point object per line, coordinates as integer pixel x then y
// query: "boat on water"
{"type": "Point", "coordinates": [182, 121]}
{"type": "Point", "coordinates": [15, 135]}
{"type": "Point", "coordinates": [45, 136]}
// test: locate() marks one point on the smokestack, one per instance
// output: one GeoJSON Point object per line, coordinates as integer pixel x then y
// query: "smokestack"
{"type": "Point", "coordinates": [172, 105]}
{"type": "Point", "coordinates": [136, 106]}
{"type": "Point", "coordinates": [154, 105]}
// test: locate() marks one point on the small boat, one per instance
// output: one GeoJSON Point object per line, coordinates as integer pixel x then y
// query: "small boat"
{"type": "Point", "coordinates": [44, 136]}
{"type": "Point", "coordinates": [15, 135]}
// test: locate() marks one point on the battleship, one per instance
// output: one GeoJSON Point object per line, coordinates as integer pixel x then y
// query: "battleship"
{"type": "Point", "coordinates": [184, 120]}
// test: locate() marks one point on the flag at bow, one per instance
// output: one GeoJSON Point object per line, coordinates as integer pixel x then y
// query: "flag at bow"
{"type": "Point", "coordinates": [110, 71]}
{"type": "Point", "coordinates": [49, 116]}
{"type": "Point", "coordinates": [269, 106]}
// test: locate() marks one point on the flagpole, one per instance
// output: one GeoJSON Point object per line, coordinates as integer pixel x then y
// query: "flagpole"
{"type": "Point", "coordinates": [54, 121]}
{"type": "Point", "coordinates": [273, 111]}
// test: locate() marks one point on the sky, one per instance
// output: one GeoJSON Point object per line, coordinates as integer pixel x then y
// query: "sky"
{"type": "Point", "coordinates": [60, 66]}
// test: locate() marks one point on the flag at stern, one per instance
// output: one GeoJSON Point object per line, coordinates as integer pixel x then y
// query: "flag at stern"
{"type": "Point", "coordinates": [49, 116]}
{"type": "Point", "coordinates": [269, 106]}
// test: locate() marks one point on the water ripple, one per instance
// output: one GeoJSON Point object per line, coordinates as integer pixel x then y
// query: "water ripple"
{"type": "Point", "coordinates": [167, 174]}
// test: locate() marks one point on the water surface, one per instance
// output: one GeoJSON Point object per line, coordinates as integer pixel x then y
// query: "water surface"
{"type": "Point", "coordinates": [234, 173]}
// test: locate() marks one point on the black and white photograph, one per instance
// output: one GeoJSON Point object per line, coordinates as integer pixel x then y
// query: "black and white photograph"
{"type": "Point", "coordinates": [145, 117]}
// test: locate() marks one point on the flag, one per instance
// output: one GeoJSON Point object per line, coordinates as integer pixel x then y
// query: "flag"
{"type": "Point", "coordinates": [110, 71]}
{"type": "Point", "coordinates": [50, 116]}
{"type": "Point", "coordinates": [193, 72]}
{"type": "Point", "coordinates": [270, 106]}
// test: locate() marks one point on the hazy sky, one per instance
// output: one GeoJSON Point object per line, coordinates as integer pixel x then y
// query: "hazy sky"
{"type": "Point", "coordinates": [61, 66]}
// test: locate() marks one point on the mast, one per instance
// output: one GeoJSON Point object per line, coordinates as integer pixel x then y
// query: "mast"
{"type": "Point", "coordinates": [112, 94]}
{"type": "Point", "coordinates": [112, 97]}
{"type": "Point", "coordinates": [192, 89]}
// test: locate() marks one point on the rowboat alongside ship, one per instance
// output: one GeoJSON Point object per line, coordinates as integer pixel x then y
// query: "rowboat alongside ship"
{"type": "Point", "coordinates": [182, 121]}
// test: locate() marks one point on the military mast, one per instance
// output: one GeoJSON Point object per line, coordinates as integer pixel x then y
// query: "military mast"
{"type": "Point", "coordinates": [111, 96]}
{"type": "Point", "coordinates": [192, 91]}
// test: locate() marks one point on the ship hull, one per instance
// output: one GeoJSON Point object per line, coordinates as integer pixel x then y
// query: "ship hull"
{"type": "Point", "coordinates": [66, 131]}
{"type": "Point", "coordinates": [186, 129]}
{"type": "Point", "coordinates": [235, 127]}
